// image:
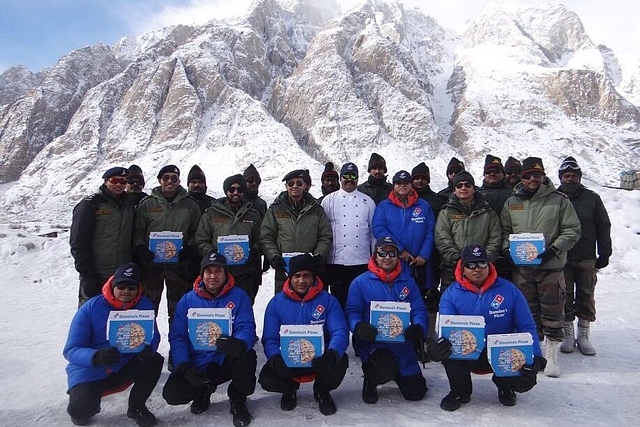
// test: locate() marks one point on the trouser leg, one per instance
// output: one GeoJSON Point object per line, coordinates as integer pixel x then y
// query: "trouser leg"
{"type": "Point", "coordinates": [84, 400]}
{"type": "Point", "coordinates": [332, 379]}
{"type": "Point", "coordinates": [585, 279]}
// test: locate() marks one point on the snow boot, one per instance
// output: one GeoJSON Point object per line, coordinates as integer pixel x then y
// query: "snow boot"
{"type": "Point", "coordinates": [569, 343]}
{"type": "Point", "coordinates": [241, 415]}
{"type": "Point", "coordinates": [325, 403]}
{"type": "Point", "coordinates": [369, 391]}
{"type": "Point", "coordinates": [551, 354]}
{"type": "Point", "coordinates": [507, 397]}
{"type": "Point", "coordinates": [142, 416]}
{"type": "Point", "coordinates": [453, 401]}
{"type": "Point", "coordinates": [584, 345]}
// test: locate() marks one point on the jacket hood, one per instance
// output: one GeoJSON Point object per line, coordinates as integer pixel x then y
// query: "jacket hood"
{"type": "Point", "coordinates": [488, 282]}
{"type": "Point", "coordinates": [198, 287]}
{"type": "Point", "coordinates": [412, 198]}
{"type": "Point", "coordinates": [313, 292]}
{"type": "Point", "coordinates": [107, 293]}
{"type": "Point", "coordinates": [387, 278]}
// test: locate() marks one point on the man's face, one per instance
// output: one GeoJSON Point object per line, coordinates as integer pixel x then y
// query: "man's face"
{"type": "Point", "coordinates": [169, 183]}
{"type": "Point", "coordinates": [349, 181]}
{"type": "Point", "coordinates": [125, 292]}
{"type": "Point", "coordinates": [214, 278]}
{"type": "Point", "coordinates": [464, 191]}
{"type": "Point", "coordinates": [253, 183]}
{"type": "Point", "coordinates": [197, 186]}
{"type": "Point", "coordinates": [531, 181]}
{"type": "Point", "coordinates": [570, 178]}
{"type": "Point", "coordinates": [478, 273]}
{"type": "Point", "coordinates": [512, 176]}
{"type": "Point", "coordinates": [330, 184]}
{"type": "Point", "coordinates": [493, 175]}
{"type": "Point", "coordinates": [134, 185]}
{"type": "Point", "coordinates": [115, 184]}
{"type": "Point", "coordinates": [301, 282]}
{"type": "Point", "coordinates": [235, 194]}
{"type": "Point", "coordinates": [420, 181]}
{"type": "Point", "coordinates": [387, 257]}
{"type": "Point", "coordinates": [295, 188]}
{"type": "Point", "coordinates": [377, 172]}
{"type": "Point", "coordinates": [402, 188]}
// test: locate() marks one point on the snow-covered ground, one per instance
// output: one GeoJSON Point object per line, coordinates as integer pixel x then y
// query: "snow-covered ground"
{"type": "Point", "coordinates": [38, 285]}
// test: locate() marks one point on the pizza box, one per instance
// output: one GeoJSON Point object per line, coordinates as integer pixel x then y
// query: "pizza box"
{"type": "Point", "coordinates": [525, 248]}
{"type": "Point", "coordinates": [390, 318]}
{"type": "Point", "coordinates": [130, 330]}
{"type": "Point", "coordinates": [165, 246]}
{"type": "Point", "coordinates": [235, 248]}
{"type": "Point", "coordinates": [508, 353]}
{"type": "Point", "coordinates": [286, 256]}
{"type": "Point", "coordinates": [466, 334]}
{"type": "Point", "coordinates": [206, 325]}
{"type": "Point", "coordinates": [299, 344]}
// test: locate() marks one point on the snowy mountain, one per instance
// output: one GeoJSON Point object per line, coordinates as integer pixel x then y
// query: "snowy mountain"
{"type": "Point", "coordinates": [297, 83]}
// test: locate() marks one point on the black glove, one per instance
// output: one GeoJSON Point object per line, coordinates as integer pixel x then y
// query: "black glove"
{"type": "Point", "coordinates": [431, 299]}
{"type": "Point", "coordinates": [90, 285]}
{"type": "Point", "coordinates": [105, 357]}
{"type": "Point", "coordinates": [507, 254]}
{"type": "Point", "coordinates": [278, 262]}
{"type": "Point", "coordinates": [602, 262]}
{"type": "Point", "coordinates": [279, 367]}
{"type": "Point", "coordinates": [186, 253]}
{"type": "Point", "coordinates": [548, 255]}
{"type": "Point", "coordinates": [146, 354]}
{"type": "Point", "coordinates": [195, 377]}
{"type": "Point", "coordinates": [265, 265]}
{"type": "Point", "coordinates": [324, 363]}
{"type": "Point", "coordinates": [528, 374]}
{"type": "Point", "coordinates": [439, 350]}
{"type": "Point", "coordinates": [230, 346]}
{"type": "Point", "coordinates": [318, 260]}
{"type": "Point", "coordinates": [413, 334]}
{"type": "Point", "coordinates": [143, 255]}
{"type": "Point", "coordinates": [365, 332]}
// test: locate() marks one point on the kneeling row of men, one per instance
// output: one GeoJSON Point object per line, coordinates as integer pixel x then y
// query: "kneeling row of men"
{"type": "Point", "coordinates": [96, 368]}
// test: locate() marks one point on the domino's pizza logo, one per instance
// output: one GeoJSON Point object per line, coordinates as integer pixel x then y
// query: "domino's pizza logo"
{"type": "Point", "coordinates": [318, 312]}
{"type": "Point", "coordinates": [497, 301]}
{"type": "Point", "coordinates": [416, 212]}
{"type": "Point", "coordinates": [404, 293]}
{"type": "Point", "coordinates": [231, 305]}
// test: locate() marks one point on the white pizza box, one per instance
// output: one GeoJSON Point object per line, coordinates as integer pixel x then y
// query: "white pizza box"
{"type": "Point", "coordinates": [299, 344]}
{"type": "Point", "coordinates": [130, 330]}
{"type": "Point", "coordinates": [525, 248]}
{"type": "Point", "coordinates": [235, 248]}
{"type": "Point", "coordinates": [165, 246]}
{"type": "Point", "coordinates": [508, 353]}
{"type": "Point", "coordinates": [390, 318]}
{"type": "Point", "coordinates": [466, 334]}
{"type": "Point", "coordinates": [286, 256]}
{"type": "Point", "coordinates": [206, 325]}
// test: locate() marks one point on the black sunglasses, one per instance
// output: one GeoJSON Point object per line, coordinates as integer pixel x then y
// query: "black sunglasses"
{"type": "Point", "coordinates": [530, 175]}
{"type": "Point", "coordinates": [295, 184]}
{"type": "Point", "coordinates": [129, 286]}
{"type": "Point", "coordinates": [384, 254]}
{"type": "Point", "coordinates": [474, 265]}
{"type": "Point", "coordinates": [236, 190]}
{"type": "Point", "coordinates": [463, 184]}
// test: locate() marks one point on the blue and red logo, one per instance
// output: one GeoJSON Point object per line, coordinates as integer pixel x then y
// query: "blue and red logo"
{"type": "Point", "coordinates": [416, 212]}
{"type": "Point", "coordinates": [404, 293]}
{"type": "Point", "coordinates": [231, 305]}
{"type": "Point", "coordinates": [318, 312]}
{"type": "Point", "coordinates": [497, 301]}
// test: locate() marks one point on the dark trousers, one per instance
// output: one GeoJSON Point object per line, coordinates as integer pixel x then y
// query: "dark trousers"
{"type": "Point", "coordinates": [338, 278]}
{"type": "Point", "coordinates": [383, 367]}
{"type": "Point", "coordinates": [324, 382]}
{"type": "Point", "coordinates": [90, 286]}
{"type": "Point", "coordinates": [240, 371]}
{"type": "Point", "coordinates": [459, 374]}
{"type": "Point", "coordinates": [580, 278]}
{"type": "Point", "coordinates": [176, 278]}
{"type": "Point", "coordinates": [84, 398]}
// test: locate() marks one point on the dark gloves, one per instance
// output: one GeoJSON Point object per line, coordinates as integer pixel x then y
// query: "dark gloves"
{"type": "Point", "coordinates": [90, 285]}
{"type": "Point", "coordinates": [413, 334]}
{"type": "Point", "coordinates": [602, 262]}
{"type": "Point", "coordinates": [548, 255]}
{"type": "Point", "coordinates": [507, 254]}
{"type": "Point", "coordinates": [528, 373]}
{"type": "Point", "coordinates": [195, 377]}
{"type": "Point", "coordinates": [324, 363]}
{"type": "Point", "coordinates": [265, 265]}
{"type": "Point", "coordinates": [365, 332]}
{"type": "Point", "coordinates": [431, 299]}
{"type": "Point", "coordinates": [146, 354]}
{"type": "Point", "coordinates": [278, 262]}
{"type": "Point", "coordinates": [230, 346]}
{"type": "Point", "coordinates": [187, 253]}
{"type": "Point", "coordinates": [439, 350]}
{"type": "Point", "coordinates": [143, 255]}
{"type": "Point", "coordinates": [105, 357]}
{"type": "Point", "coordinates": [279, 367]}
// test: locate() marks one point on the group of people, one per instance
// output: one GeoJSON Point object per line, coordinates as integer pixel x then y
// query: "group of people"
{"type": "Point", "coordinates": [377, 241]}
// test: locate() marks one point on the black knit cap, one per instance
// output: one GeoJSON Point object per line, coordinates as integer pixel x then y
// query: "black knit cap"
{"type": "Point", "coordinates": [455, 165]}
{"type": "Point", "coordinates": [303, 262]}
{"type": "Point", "coordinates": [421, 169]}
{"type": "Point", "coordinates": [463, 176]}
{"type": "Point", "coordinates": [532, 164]}
{"type": "Point", "coordinates": [251, 171]}
{"type": "Point", "coordinates": [169, 169]}
{"type": "Point", "coordinates": [116, 171]}
{"type": "Point", "coordinates": [492, 162]}
{"type": "Point", "coordinates": [377, 161]}
{"type": "Point", "coordinates": [135, 173]}
{"type": "Point", "coordinates": [298, 173]}
{"type": "Point", "coordinates": [196, 173]}
{"type": "Point", "coordinates": [329, 171]}
{"type": "Point", "coordinates": [234, 179]}
{"type": "Point", "coordinates": [512, 163]}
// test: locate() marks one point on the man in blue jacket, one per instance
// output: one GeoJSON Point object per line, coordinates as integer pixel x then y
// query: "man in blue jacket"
{"type": "Point", "coordinates": [197, 373]}
{"type": "Point", "coordinates": [303, 301]}
{"type": "Point", "coordinates": [96, 368]}
{"type": "Point", "coordinates": [478, 291]}
{"type": "Point", "coordinates": [386, 361]}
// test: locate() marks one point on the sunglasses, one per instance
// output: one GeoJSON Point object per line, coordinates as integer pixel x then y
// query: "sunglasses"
{"type": "Point", "coordinates": [295, 184]}
{"type": "Point", "coordinates": [134, 182]}
{"type": "Point", "coordinates": [236, 190]}
{"type": "Point", "coordinates": [474, 265]}
{"type": "Point", "coordinates": [253, 179]}
{"type": "Point", "coordinates": [384, 254]}
{"type": "Point", "coordinates": [117, 180]}
{"type": "Point", "coordinates": [492, 172]}
{"type": "Point", "coordinates": [129, 286]}
{"type": "Point", "coordinates": [530, 175]}
{"type": "Point", "coordinates": [512, 172]}
{"type": "Point", "coordinates": [463, 185]}
{"type": "Point", "coordinates": [349, 176]}
{"type": "Point", "coordinates": [172, 178]}
{"type": "Point", "coordinates": [453, 172]}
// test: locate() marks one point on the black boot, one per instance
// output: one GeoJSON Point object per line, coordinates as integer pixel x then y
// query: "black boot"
{"type": "Point", "coordinates": [142, 416]}
{"type": "Point", "coordinates": [289, 400]}
{"type": "Point", "coordinates": [453, 401]}
{"type": "Point", "coordinates": [201, 402]}
{"type": "Point", "coordinates": [241, 415]}
{"type": "Point", "coordinates": [325, 402]}
{"type": "Point", "coordinates": [369, 391]}
{"type": "Point", "coordinates": [507, 397]}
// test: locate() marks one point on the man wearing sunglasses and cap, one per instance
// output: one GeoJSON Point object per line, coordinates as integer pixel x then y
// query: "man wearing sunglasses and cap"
{"type": "Point", "coordinates": [537, 207]}
{"type": "Point", "coordinates": [101, 230]}
{"type": "Point", "coordinates": [233, 215]}
{"type": "Point", "coordinates": [295, 222]}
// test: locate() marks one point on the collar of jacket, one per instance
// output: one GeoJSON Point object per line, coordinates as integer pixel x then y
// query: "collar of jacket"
{"type": "Point", "coordinates": [412, 198]}
{"type": "Point", "coordinates": [313, 291]}
{"type": "Point", "coordinates": [107, 293]}
{"type": "Point", "coordinates": [488, 282]}
{"type": "Point", "coordinates": [387, 278]}
{"type": "Point", "coordinates": [199, 289]}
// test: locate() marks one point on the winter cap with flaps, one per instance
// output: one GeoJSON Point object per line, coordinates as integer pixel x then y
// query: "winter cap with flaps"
{"type": "Point", "coordinates": [234, 179]}
{"type": "Point", "coordinates": [117, 171]}
{"type": "Point", "coordinates": [298, 173]}
{"type": "Point", "coordinates": [474, 253]}
{"type": "Point", "coordinates": [251, 171]}
{"type": "Point", "coordinates": [349, 168]}
{"type": "Point", "coordinates": [420, 170]}
{"type": "Point", "coordinates": [329, 171]}
{"type": "Point", "coordinates": [569, 165]}
{"type": "Point", "coordinates": [196, 173]}
{"type": "Point", "coordinates": [378, 162]}
{"type": "Point", "coordinates": [127, 273]}
{"type": "Point", "coordinates": [401, 176]}
{"type": "Point", "coordinates": [135, 173]}
{"type": "Point", "coordinates": [463, 176]}
{"type": "Point", "coordinates": [532, 164]}
{"type": "Point", "coordinates": [383, 241]}
{"type": "Point", "coordinates": [213, 258]}
{"type": "Point", "coordinates": [169, 169]}
{"type": "Point", "coordinates": [512, 163]}
{"type": "Point", "coordinates": [303, 262]}
{"type": "Point", "coordinates": [492, 162]}
{"type": "Point", "coordinates": [455, 165]}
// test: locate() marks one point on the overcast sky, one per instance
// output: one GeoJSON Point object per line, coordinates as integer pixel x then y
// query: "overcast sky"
{"type": "Point", "coordinates": [36, 33]}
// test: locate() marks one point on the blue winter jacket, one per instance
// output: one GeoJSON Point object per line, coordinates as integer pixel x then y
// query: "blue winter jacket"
{"type": "Point", "coordinates": [500, 302]}
{"type": "Point", "coordinates": [317, 307]}
{"type": "Point", "coordinates": [88, 334]}
{"type": "Point", "coordinates": [243, 323]}
{"type": "Point", "coordinates": [377, 285]}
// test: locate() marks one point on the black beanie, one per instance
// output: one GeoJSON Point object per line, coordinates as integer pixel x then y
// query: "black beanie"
{"type": "Point", "coordinates": [329, 171]}
{"type": "Point", "coordinates": [377, 161]}
{"type": "Point", "coordinates": [463, 176]}
{"type": "Point", "coordinates": [196, 173]}
{"type": "Point", "coordinates": [532, 164]}
{"type": "Point", "coordinates": [512, 163]}
{"type": "Point", "coordinates": [455, 165]}
{"type": "Point", "coordinates": [169, 169]}
{"type": "Point", "coordinates": [303, 262]}
{"type": "Point", "coordinates": [421, 169]}
{"type": "Point", "coordinates": [136, 173]}
{"type": "Point", "coordinates": [251, 171]}
{"type": "Point", "coordinates": [492, 162]}
{"type": "Point", "coordinates": [234, 179]}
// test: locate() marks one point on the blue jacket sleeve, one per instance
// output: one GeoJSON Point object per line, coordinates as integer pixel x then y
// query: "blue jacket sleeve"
{"type": "Point", "coordinates": [427, 245]}
{"type": "Point", "coordinates": [418, 310]}
{"type": "Point", "coordinates": [447, 304]}
{"type": "Point", "coordinates": [179, 335]}
{"type": "Point", "coordinates": [78, 349]}
{"type": "Point", "coordinates": [337, 327]}
{"type": "Point", "coordinates": [244, 324]}
{"type": "Point", "coordinates": [271, 330]}
{"type": "Point", "coordinates": [354, 308]}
